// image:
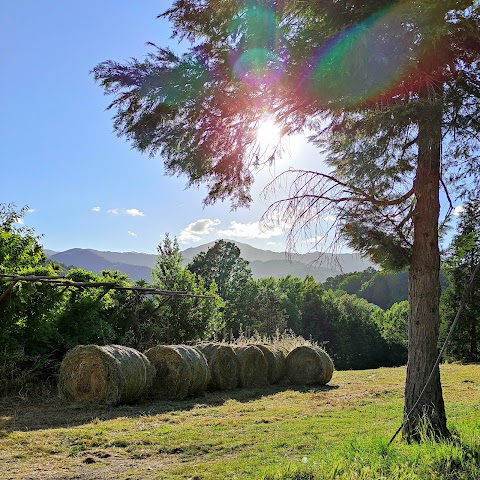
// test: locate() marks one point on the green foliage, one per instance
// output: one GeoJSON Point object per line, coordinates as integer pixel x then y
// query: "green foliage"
{"type": "Point", "coordinates": [222, 265]}
{"type": "Point", "coordinates": [463, 256]}
{"type": "Point", "coordinates": [394, 323]}
{"type": "Point", "coordinates": [267, 315]}
{"type": "Point", "coordinates": [351, 329]}
{"type": "Point", "coordinates": [291, 289]}
{"type": "Point", "coordinates": [82, 319]}
{"type": "Point", "coordinates": [380, 288]}
{"type": "Point", "coordinates": [385, 289]}
{"type": "Point", "coordinates": [183, 319]}
{"type": "Point", "coordinates": [27, 324]}
{"type": "Point", "coordinates": [19, 247]}
{"type": "Point", "coordinates": [339, 281]}
{"type": "Point", "coordinates": [356, 339]}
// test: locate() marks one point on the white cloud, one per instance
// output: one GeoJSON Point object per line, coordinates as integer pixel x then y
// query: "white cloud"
{"type": "Point", "coordinates": [31, 210]}
{"type": "Point", "coordinates": [96, 209]}
{"type": "Point", "coordinates": [134, 212]}
{"type": "Point", "coordinates": [113, 211]}
{"type": "Point", "coordinates": [132, 234]}
{"type": "Point", "coordinates": [200, 227]}
{"type": "Point", "coordinates": [329, 218]}
{"type": "Point", "coordinates": [20, 221]}
{"type": "Point", "coordinates": [250, 230]}
{"type": "Point", "coordinates": [458, 210]}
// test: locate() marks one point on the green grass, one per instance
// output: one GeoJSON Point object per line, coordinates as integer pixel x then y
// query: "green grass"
{"type": "Point", "coordinates": [339, 432]}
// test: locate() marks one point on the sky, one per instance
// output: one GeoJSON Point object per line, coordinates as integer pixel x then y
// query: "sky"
{"type": "Point", "coordinates": [84, 186]}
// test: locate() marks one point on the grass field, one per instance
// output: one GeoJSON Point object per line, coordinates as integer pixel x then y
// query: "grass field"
{"type": "Point", "coordinates": [339, 431]}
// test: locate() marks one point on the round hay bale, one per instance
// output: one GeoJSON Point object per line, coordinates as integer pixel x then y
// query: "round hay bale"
{"type": "Point", "coordinates": [181, 371]}
{"type": "Point", "coordinates": [308, 365]}
{"type": "Point", "coordinates": [222, 364]}
{"type": "Point", "coordinates": [110, 374]}
{"type": "Point", "coordinates": [198, 364]}
{"type": "Point", "coordinates": [174, 372]}
{"type": "Point", "coordinates": [253, 367]}
{"type": "Point", "coordinates": [275, 358]}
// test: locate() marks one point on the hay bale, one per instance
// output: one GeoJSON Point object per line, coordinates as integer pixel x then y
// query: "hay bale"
{"type": "Point", "coordinates": [110, 374]}
{"type": "Point", "coordinates": [253, 367]}
{"type": "Point", "coordinates": [200, 374]}
{"type": "Point", "coordinates": [222, 364]}
{"type": "Point", "coordinates": [181, 371]}
{"type": "Point", "coordinates": [308, 365]}
{"type": "Point", "coordinates": [275, 358]}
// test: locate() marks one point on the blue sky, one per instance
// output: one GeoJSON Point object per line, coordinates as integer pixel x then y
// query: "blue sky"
{"type": "Point", "coordinates": [86, 187]}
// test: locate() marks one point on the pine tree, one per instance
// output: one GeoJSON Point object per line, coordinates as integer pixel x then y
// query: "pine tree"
{"type": "Point", "coordinates": [184, 318]}
{"type": "Point", "coordinates": [390, 91]}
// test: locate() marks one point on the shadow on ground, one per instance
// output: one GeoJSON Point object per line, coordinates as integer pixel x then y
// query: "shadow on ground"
{"type": "Point", "coordinates": [18, 414]}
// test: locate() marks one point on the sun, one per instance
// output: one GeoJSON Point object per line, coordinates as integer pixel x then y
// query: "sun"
{"type": "Point", "coordinates": [268, 133]}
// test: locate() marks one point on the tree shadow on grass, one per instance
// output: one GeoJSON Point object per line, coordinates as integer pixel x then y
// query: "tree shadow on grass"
{"type": "Point", "coordinates": [18, 414]}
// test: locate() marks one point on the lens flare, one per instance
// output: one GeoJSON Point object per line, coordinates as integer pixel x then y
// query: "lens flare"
{"type": "Point", "coordinates": [366, 60]}
{"type": "Point", "coordinates": [256, 59]}
{"type": "Point", "coordinates": [258, 66]}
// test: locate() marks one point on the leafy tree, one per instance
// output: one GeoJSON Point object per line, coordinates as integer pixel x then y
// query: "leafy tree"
{"type": "Point", "coordinates": [356, 342]}
{"type": "Point", "coordinates": [223, 265]}
{"type": "Point", "coordinates": [267, 314]}
{"type": "Point", "coordinates": [19, 247]}
{"type": "Point", "coordinates": [27, 312]}
{"type": "Point", "coordinates": [351, 284]}
{"type": "Point", "coordinates": [82, 318]}
{"type": "Point", "coordinates": [292, 293]}
{"type": "Point", "coordinates": [390, 92]}
{"type": "Point", "coordinates": [385, 289]}
{"type": "Point", "coordinates": [463, 257]}
{"type": "Point", "coordinates": [183, 318]}
{"type": "Point", "coordinates": [333, 283]}
{"type": "Point", "coordinates": [394, 323]}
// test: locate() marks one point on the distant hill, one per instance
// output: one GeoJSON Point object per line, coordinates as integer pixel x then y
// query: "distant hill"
{"type": "Point", "coordinates": [264, 263]}
{"type": "Point", "coordinates": [97, 261]}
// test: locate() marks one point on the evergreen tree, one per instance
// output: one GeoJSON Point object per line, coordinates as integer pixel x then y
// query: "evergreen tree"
{"type": "Point", "coordinates": [183, 318]}
{"type": "Point", "coordinates": [389, 90]}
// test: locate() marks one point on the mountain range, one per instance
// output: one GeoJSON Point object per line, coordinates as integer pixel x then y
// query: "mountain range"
{"type": "Point", "coordinates": [264, 263]}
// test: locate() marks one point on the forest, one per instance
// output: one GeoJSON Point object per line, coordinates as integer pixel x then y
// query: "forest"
{"type": "Point", "coordinates": [359, 318]}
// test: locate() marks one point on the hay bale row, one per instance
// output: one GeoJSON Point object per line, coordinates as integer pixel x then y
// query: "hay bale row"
{"type": "Point", "coordinates": [108, 375]}
{"type": "Point", "coordinates": [115, 374]}
{"type": "Point", "coordinates": [181, 371]}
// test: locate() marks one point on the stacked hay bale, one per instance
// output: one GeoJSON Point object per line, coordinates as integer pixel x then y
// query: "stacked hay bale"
{"type": "Point", "coordinates": [275, 358]}
{"type": "Point", "coordinates": [181, 371]}
{"type": "Point", "coordinates": [222, 365]}
{"type": "Point", "coordinates": [253, 368]}
{"type": "Point", "coordinates": [110, 374]}
{"type": "Point", "coordinates": [308, 365]}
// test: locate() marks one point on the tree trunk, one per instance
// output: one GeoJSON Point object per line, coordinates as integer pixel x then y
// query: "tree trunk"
{"type": "Point", "coordinates": [428, 417]}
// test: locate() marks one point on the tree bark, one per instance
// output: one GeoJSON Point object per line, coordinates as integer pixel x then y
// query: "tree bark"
{"type": "Point", "coordinates": [428, 417]}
